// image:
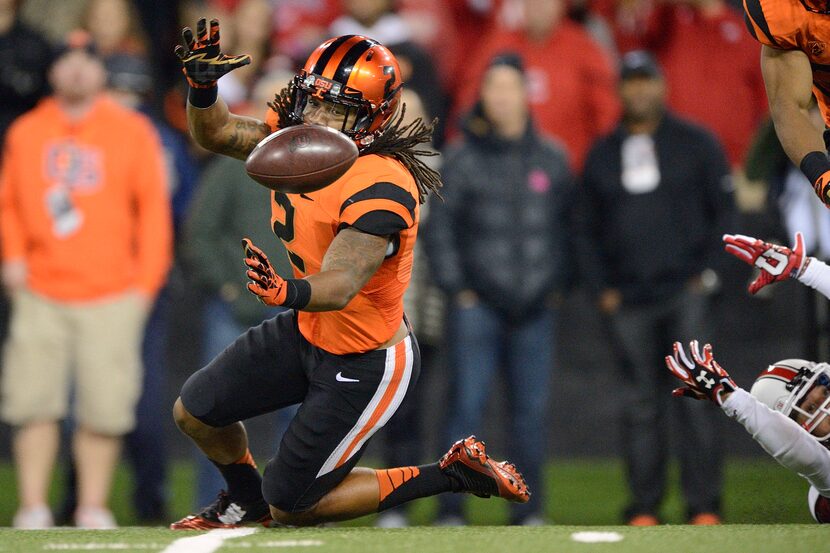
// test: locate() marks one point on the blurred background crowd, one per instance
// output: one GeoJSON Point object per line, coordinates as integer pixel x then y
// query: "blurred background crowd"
{"type": "Point", "coordinates": [593, 153]}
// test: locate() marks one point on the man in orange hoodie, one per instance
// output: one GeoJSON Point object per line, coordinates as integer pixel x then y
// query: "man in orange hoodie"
{"type": "Point", "coordinates": [86, 244]}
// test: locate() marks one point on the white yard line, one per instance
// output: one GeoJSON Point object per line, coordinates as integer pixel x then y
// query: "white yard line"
{"type": "Point", "coordinates": [100, 546]}
{"type": "Point", "coordinates": [597, 537]}
{"type": "Point", "coordinates": [290, 543]}
{"type": "Point", "coordinates": [203, 543]}
{"type": "Point", "coordinates": [207, 543]}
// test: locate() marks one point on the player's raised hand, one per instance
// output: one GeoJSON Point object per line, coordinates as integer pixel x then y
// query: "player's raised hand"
{"type": "Point", "coordinates": [703, 376]}
{"type": "Point", "coordinates": [202, 59]}
{"type": "Point", "coordinates": [269, 287]}
{"type": "Point", "coordinates": [775, 262]}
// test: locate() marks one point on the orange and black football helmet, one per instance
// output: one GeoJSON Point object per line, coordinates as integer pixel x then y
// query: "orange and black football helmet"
{"type": "Point", "coordinates": [354, 71]}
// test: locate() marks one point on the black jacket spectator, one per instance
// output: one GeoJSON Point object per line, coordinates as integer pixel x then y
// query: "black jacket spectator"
{"type": "Point", "coordinates": [24, 60]}
{"type": "Point", "coordinates": [648, 245]}
{"type": "Point", "coordinates": [503, 228]}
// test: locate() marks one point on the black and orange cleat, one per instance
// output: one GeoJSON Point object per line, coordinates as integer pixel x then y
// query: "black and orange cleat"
{"type": "Point", "coordinates": [473, 471]}
{"type": "Point", "coordinates": [226, 513]}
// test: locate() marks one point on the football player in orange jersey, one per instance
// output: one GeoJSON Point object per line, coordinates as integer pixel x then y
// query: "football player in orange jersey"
{"type": "Point", "coordinates": [344, 350]}
{"type": "Point", "coordinates": [795, 62]}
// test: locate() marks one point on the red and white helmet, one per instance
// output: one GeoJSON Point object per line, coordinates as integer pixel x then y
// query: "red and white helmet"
{"type": "Point", "coordinates": [783, 386]}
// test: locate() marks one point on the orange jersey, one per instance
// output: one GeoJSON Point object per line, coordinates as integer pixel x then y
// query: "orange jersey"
{"type": "Point", "coordinates": [376, 195]}
{"type": "Point", "coordinates": [788, 25]}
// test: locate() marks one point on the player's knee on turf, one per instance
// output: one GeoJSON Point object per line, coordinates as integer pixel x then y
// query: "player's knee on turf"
{"type": "Point", "coordinates": [292, 496]}
{"type": "Point", "coordinates": [308, 517]}
{"type": "Point", "coordinates": [287, 499]}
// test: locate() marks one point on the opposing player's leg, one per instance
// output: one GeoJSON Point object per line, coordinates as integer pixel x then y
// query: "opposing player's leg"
{"type": "Point", "coordinates": [260, 372]}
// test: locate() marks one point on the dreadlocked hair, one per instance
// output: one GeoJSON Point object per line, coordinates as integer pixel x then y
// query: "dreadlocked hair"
{"type": "Point", "coordinates": [281, 104]}
{"type": "Point", "coordinates": [396, 140]}
{"type": "Point", "coordinates": [399, 141]}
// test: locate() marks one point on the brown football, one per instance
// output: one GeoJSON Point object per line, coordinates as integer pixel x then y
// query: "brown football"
{"type": "Point", "coordinates": [301, 159]}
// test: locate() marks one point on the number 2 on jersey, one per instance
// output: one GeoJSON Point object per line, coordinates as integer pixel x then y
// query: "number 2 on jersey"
{"type": "Point", "coordinates": [285, 231]}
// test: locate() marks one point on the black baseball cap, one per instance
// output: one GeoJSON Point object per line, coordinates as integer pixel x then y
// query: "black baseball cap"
{"type": "Point", "coordinates": [77, 39]}
{"type": "Point", "coordinates": [509, 59]}
{"type": "Point", "coordinates": [639, 63]}
{"type": "Point", "coordinates": [129, 73]}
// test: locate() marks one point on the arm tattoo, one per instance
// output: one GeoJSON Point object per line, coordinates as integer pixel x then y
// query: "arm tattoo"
{"type": "Point", "coordinates": [356, 252]}
{"type": "Point", "coordinates": [244, 136]}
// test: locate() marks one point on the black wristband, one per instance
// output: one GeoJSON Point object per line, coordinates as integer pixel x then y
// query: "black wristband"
{"type": "Point", "coordinates": [814, 165]}
{"type": "Point", "coordinates": [203, 97]}
{"type": "Point", "coordinates": [297, 293]}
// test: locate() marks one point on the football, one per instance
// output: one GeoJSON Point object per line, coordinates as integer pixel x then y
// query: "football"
{"type": "Point", "coordinates": [301, 159]}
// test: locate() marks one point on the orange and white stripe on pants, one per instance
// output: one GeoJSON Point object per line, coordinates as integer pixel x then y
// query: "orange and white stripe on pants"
{"type": "Point", "coordinates": [388, 397]}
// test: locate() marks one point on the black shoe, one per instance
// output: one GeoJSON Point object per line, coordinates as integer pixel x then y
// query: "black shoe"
{"type": "Point", "coordinates": [226, 513]}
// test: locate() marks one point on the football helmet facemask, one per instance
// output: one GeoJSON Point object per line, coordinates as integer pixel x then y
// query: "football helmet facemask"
{"type": "Point", "coordinates": [784, 385]}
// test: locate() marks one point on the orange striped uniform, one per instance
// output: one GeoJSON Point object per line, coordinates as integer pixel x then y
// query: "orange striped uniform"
{"type": "Point", "coordinates": [796, 25]}
{"type": "Point", "coordinates": [379, 196]}
{"type": "Point", "coordinates": [401, 368]}
{"type": "Point", "coordinates": [390, 480]}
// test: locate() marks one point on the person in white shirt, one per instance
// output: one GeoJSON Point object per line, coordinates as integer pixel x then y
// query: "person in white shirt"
{"type": "Point", "coordinates": [787, 410]}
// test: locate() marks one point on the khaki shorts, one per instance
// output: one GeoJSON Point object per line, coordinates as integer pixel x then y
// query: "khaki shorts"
{"type": "Point", "coordinates": [95, 346]}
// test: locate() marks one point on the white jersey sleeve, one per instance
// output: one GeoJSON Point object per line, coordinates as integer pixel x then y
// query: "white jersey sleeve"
{"type": "Point", "coordinates": [782, 438]}
{"type": "Point", "coordinates": [817, 276]}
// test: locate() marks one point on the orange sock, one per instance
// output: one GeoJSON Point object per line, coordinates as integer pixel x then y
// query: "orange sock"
{"type": "Point", "coordinates": [392, 479]}
{"type": "Point", "coordinates": [246, 459]}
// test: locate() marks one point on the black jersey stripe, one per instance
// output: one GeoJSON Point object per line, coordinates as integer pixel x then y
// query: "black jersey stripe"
{"type": "Point", "coordinates": [341, 74]}
{"type": "Point", "coordinates": [749, 26]}
{"type": "Point", "coordinates": [820, 67]}
{"type": "Point", "coordinates": [756, 13]}
{"type": "Point", "coordinates": [821, 88]}
{"type": "Point", "coordinates": [383, 191]}
{"type": "Point", "coordinates": [324, 58]}
{"type": "Point", "coordinates": [379, 223]}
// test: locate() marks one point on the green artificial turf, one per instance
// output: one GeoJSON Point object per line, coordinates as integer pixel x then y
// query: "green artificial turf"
{"type": "Point", "coordinates": [577, 492]}
{"type": "Point", "coordinates": [790, 538]}
{"type": "Point", "coordinates": [764, 506]}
